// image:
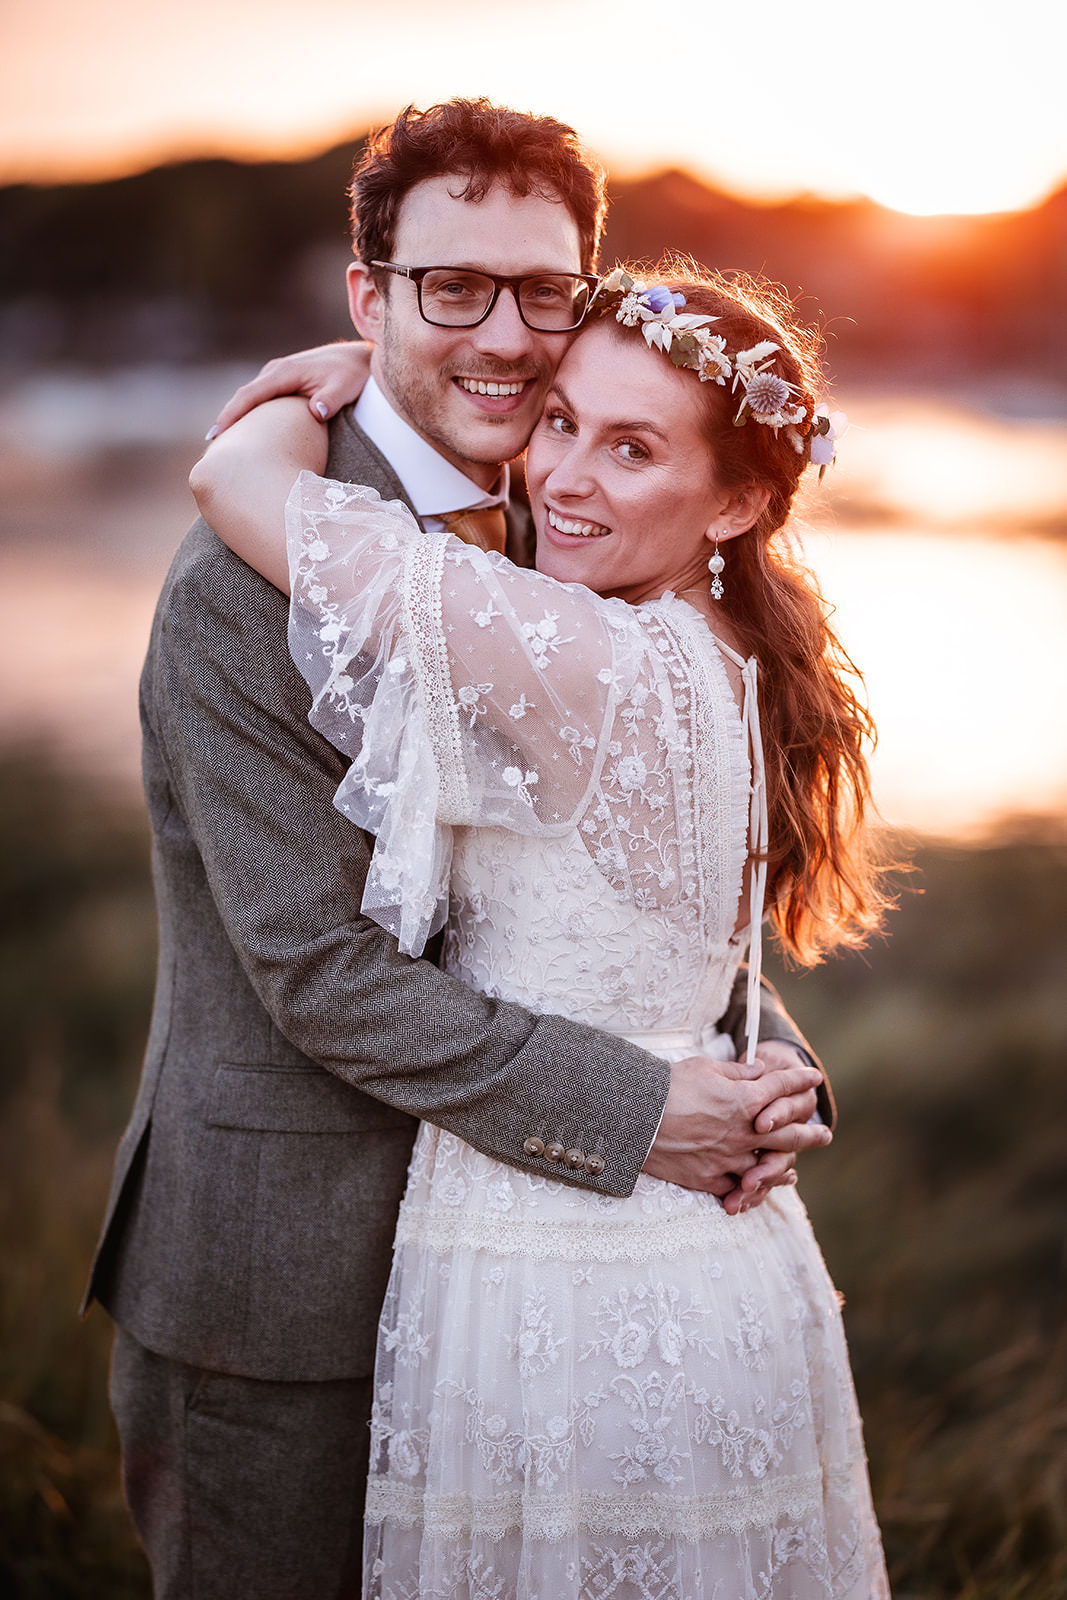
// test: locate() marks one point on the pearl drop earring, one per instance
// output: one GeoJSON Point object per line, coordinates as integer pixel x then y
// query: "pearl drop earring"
{"type": "Point", "coordinates": [715, 566]}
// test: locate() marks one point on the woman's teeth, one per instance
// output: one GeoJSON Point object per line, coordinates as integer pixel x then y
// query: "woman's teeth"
{"type": "Point", "coordinates": [476, 386]}
{"type": "Point", "coordinates": [582, 530]}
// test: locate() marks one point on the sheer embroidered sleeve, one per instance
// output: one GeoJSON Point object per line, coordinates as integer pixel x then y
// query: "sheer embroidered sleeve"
{"type": "Point", "coordinates": [466, 690]}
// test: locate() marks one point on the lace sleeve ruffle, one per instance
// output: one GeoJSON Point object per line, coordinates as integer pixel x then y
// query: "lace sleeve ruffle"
{"type": "Point", "coordinates": [465, 691]}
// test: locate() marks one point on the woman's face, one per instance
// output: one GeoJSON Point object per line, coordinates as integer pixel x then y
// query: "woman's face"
{"type": "Point", "coordinates": [621, 477]}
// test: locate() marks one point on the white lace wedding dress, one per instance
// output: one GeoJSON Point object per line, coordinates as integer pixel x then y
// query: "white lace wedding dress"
{"type": "Point", "coordinates": [575, 1395]}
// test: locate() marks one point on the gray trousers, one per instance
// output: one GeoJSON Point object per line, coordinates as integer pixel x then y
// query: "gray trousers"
{"type": "Point", "coordinates": [239, 1487]}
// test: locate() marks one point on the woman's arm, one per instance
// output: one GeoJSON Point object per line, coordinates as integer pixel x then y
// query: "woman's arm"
{"type": "Point", "coordinates": [242, 481]}
{"type": "Point", "coordinates": [328, 375]}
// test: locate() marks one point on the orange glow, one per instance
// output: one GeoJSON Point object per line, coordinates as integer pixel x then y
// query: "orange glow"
{"type": "Point", "coordinates": [914, 458]}
{"type": "Point", "coordinates": [923, 107]}
{"type": "Point", "coordinates": [961, 642]}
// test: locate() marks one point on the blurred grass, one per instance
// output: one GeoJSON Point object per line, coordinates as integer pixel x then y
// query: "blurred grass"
{"type": "Point", "coordinates": [941, 1210]}
{"type": "Point", "coordinates": [940, 1207]}
{"type": "Point", "coordinates": [77, 942]}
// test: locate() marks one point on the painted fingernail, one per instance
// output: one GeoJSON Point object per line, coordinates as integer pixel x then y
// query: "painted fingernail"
{"type": "Point", "coordinates": [322, 408]}
{"type": "Point", "coordinates": [212, 433]}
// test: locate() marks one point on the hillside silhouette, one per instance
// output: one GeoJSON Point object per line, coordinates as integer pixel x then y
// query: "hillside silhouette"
{"type": "Point", "coordinates": [219, 258]}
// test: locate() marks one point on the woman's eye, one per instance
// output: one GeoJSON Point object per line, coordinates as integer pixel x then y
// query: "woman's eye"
{"type": "Point", "coordinates": [630, 450]}
{"type": "Point", "coordinates": [559, 422]}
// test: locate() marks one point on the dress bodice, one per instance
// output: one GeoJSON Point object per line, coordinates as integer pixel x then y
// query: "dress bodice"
{"type": "Point", "coordinates": [568, 776]}
{"type": "Point", "coordinates": [540, 924]}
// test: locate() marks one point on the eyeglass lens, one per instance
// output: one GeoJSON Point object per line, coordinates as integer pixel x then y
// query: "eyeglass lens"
{"type": "Point", "coordinates": [551, 303]}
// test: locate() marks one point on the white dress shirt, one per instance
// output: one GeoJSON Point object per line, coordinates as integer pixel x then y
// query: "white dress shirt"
{"type": "Point", "coordinates": [433, 485]}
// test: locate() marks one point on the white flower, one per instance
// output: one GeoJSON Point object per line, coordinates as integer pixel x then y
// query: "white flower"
{"type": "Point", "coordinates": [760, 1453]}
{"type": "Point", "coordinates": [629, 312]}
{"type": "Point", "coordinates": [452, 1191]}
{"type": "Point", "coordinates": [404, 1454]}
{"type": "Point", "coordinates": [630, 1344]}
{"type": "Point", "coordinates": [671, 1341]}
{"type": "Point", "coordinates": [495, 1426]}
{"type": "Point", "coordinates": [342, 683]}
{"type": "Point", "coordinates": [822, 450]}
{"type": "Point", "coordinates": [651, 1450]}
{"type": "Point", "coordinates": [501, 1196]}
{"type": "Point", "coordinates": [317, 594]}
{"type": "Point", "coordinates": [714, 362]}
{"type": "Point", "coordinates": [748, 360]}
{"type": "Point", "coordinates": [520, 708]}
{"type": "Point", "coordinates": [330, 633]}
{"type": "Point", "coordinates": [630, 773]}
{"type": "Point", "coordinates": [318, 550]}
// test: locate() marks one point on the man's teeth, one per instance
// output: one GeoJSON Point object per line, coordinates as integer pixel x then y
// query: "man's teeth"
{"type": "Point", "coordinates": [583, 530]}
{"type": "Point", "coordinates": [476, 386]}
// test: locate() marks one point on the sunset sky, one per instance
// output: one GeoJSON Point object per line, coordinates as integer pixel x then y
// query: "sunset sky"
{"type": "Point", "coordinates": [926, 105]}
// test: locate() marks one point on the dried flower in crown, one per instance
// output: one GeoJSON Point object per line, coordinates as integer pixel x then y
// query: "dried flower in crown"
{"type": "Point", "coordinates": [686, 340]}
{"type": "Point", "coordinates": [660, 313]}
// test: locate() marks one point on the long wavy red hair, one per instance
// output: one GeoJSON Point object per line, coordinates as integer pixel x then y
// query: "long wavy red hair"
{"type": "Point", "coordinates": [825, 868]}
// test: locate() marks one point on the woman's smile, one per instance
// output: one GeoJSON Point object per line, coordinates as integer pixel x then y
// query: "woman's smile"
{"type": "Point", "coordinates": [556, 523]}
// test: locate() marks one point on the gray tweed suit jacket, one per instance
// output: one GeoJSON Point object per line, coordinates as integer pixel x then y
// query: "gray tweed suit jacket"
{"type": "Point", "coordinates": [292, 1048]}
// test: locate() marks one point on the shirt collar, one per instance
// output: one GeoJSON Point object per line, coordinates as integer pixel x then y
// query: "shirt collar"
{"type": "Point", "coordinates": [433, 485]}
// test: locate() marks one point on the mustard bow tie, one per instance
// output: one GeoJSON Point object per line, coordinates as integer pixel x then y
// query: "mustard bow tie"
{"type": "Point", "coordinates": [487, 528]}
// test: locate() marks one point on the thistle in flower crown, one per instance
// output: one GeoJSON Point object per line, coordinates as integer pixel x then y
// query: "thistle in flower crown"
{"type": "Point", "coordinates": [686, 340]}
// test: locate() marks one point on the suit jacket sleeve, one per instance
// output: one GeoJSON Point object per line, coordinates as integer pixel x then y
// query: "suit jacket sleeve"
{"type": "Point", "coordinates": [255, 783]}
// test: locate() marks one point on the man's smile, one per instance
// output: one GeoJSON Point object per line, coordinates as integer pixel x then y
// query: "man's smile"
{"type": "Point", "coordinates": [484, 386]}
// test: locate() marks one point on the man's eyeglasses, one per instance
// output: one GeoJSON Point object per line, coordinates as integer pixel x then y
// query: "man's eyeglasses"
{"type": "Point", "coordinates": [453, 297]}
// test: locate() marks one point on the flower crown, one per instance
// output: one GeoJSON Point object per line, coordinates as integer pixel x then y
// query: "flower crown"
{"type": "Point", "coordinates": [686, 340]}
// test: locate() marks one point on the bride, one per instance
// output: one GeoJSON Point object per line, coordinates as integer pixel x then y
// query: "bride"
{"type": "Point", "coordinates": [600, 776]}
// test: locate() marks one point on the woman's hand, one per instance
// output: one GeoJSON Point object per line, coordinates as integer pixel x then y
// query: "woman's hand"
{"type": "Point", "coordinates": [329, 375]}
{"type": "Point", "coordinates": [242, 481]}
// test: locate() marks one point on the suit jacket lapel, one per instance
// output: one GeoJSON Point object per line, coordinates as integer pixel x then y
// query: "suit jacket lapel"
{"type": "Point", "coordinates": [354, 459]}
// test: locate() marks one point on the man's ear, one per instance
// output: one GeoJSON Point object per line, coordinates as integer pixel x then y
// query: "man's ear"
{"type": "Point", "coordinates": [739, 512]}
{"type": "Point", "coordinates": [366, 305]}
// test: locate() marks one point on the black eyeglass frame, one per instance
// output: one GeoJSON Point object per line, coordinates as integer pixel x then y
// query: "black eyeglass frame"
{"type": "Point", "coordinates": [499, 281]}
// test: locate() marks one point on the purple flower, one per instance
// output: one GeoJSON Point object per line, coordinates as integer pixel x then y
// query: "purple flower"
{"type": "Point", "coordinates": [659, 298]}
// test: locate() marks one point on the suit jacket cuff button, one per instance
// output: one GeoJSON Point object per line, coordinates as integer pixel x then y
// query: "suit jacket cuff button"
{"type": "Point", "coordinates": [534, 1146]}
{"type": "Point", "coordinates": [554, 1152]}
{"type": "Point", "coordinates": [594, 1165]}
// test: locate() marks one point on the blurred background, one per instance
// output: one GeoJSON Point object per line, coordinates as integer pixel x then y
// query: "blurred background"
{"type": "Point", "coordinates": [172, 213]}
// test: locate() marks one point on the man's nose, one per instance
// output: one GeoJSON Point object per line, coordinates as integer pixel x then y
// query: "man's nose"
{"type": "Point", "coordinates": [503, 333]}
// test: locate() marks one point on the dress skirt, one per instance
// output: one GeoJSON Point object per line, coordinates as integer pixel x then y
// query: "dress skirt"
{"type": "Point", "coordinates": [580, 1396]}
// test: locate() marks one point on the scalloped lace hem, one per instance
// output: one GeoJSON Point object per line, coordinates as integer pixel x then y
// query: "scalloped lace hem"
{"type": "Point", "coordinates": [461, 1517]}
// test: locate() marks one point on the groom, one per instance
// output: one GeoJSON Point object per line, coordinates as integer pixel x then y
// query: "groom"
{"type": "Point", "coordinates": [246, 1246]}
